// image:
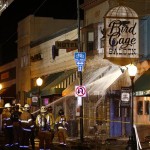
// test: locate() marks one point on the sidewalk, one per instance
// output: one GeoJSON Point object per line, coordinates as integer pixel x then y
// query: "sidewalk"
{"type": "Point", "coordinates": [90, 143]}
{"type": "Point", "coordinates": [110, 144]}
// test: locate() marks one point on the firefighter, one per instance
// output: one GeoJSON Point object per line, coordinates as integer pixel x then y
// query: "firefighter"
{"type": "Point", "coordinates": [50, 118]}
{"type": "Point", "coordinates": [32, 137]}
{"type": "Point", "coordinates": [20, 108]}
{"type": "Point", "coordinates": [7, 125]}
{"type": "Point", "coordinates": [61, 127]}
{"type": "Point", "coordinates": [44, 133]}
{"type": "Point", "coordinates": [16, 126]}
{"type": "Point", "coordinates": [27, 124]}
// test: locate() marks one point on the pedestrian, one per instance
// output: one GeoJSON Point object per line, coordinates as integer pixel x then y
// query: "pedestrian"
{"type": "Point", "coordinates": [7, 125]}
{"type": "Point", "coordinates": [27, 124]}
{"type": "Point", "coordinates": [15, 115]}
{"type": "Point", "coordinates": [50, 118]}
{"type": "Point", "coordinates": [44, 130]}
{"type": "Point", "coordinates": [61, 127]}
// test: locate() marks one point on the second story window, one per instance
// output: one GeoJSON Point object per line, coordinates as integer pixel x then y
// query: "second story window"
{"type": "Point", "coordinates": [24, 61]}
{"type": "Point", "coordinates": [90, 41]}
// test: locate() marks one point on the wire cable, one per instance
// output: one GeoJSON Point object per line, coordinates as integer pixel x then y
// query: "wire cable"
{"type": "Point", "coordinates": [39, 7]}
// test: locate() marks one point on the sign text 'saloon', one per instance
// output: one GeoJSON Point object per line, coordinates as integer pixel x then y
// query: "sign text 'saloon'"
{"type": "Point", "coordinates": [119, 43]}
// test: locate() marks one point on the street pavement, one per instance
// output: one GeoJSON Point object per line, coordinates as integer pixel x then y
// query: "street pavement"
{"type": "Point", "coordinates": [88, 144]}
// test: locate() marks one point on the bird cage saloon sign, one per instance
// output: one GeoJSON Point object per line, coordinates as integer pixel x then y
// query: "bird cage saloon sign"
{"type": "Point", "coordinates": [122, 33]}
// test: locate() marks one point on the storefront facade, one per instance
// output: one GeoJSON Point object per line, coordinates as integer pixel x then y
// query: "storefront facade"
{"type": "Point", "coordinates": [39, 58]}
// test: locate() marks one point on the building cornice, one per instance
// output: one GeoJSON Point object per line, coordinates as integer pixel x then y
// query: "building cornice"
{"type": "Point", "coordinates": [91, 3]}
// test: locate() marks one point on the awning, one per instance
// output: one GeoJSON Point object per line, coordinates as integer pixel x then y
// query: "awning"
{"type": "Point", "coordinates": [49, 86]}
{"type": "Point", "coordinates": [46, 81]}
{"type": "Point", "coordinates": [52, 91]}
{"type": "Point", "coordinates": [96, 82]}
{"type": "Point", "coordinates": [142, 84]}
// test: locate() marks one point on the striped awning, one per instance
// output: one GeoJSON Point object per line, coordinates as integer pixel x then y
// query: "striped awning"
{"type": "Point", "coordinates": [49, 86]}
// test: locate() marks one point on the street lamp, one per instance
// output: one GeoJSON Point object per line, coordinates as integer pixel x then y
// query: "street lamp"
{"type": "Point", "coordinates": [1, 113]}
{"type": "Point", "coordinates": [132, 70]}
{"type": "Point", "coordinates": [1, 86]}
{"type": "Point", "coordinates": [0, 90]}
{"type": "Point", "coordinates": [39, 82]}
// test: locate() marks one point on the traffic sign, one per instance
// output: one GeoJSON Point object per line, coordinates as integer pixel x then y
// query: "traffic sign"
{"type": "Point", "coordinates": [80, 68]}
{"type": "Point", "coordinates": [80, 91]}
{"type": "Point", "coordinates": [80, 56]}
{"type": "Point", "coordinates": [80, 63]}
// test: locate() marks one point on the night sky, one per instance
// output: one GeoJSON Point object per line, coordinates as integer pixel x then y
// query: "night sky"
{"type": "Point", "coordinates": [19, 9]}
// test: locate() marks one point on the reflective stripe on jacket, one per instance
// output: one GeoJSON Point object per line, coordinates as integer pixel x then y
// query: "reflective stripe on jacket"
{"type": "Point", "coordinates": [26, 120]}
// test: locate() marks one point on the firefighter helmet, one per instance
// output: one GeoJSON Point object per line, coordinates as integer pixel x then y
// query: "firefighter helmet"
{"type": "Point", "coordinates": [61, 112]}
{"type": "Point", "coordinates": [43, 109]}
{"type": "Point", "coordinates": [26, 107]}
{"type": "Point", "coordinates": [7, 105]}
{"type": "Point", "coordinates": [19, 105]}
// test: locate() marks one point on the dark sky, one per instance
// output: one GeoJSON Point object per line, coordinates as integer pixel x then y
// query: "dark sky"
{"type": "Point", "coordinates": [19, 9]}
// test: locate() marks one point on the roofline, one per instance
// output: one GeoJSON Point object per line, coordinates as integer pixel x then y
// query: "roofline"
{"type": "Point", "coordinates": [54, 35]}
{"type": "Point", "coordinates": [88, 4]}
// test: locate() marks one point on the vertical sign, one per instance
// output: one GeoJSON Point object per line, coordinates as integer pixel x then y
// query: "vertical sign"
{"type": "Point", "coordinates": [80, 58]}
{"type": "Point", "coordinates": [122, 33]}
{"type": "Point", "coordinates": [125, 96]}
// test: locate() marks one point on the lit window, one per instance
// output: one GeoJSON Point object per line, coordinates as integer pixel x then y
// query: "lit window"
{"type": "Point", "coordinates": [147, 107]}
{"type": "Point", "coordinates": [140, 108]}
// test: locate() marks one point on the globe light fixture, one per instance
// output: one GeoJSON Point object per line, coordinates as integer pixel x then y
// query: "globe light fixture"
{"type": "Point", "coordinates": [39, 83]}
{"type": "Point", "coordinates": [0, 89]}
{"type": "Point", "coordinates": [132, 70]}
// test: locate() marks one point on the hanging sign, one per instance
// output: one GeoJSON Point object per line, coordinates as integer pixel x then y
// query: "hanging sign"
{"type": "Point", "coordinates": [35, 101]}
{"type": "Point", "coordinates": [125, 96]}
{"type": "Point", "coordinates": [122, 33]}
{"type": "Point", "coordinates": [67, 44]}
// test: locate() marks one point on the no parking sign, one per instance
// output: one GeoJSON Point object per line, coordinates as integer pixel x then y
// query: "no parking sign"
{"type": "Point", "coordinates": [80, 91]}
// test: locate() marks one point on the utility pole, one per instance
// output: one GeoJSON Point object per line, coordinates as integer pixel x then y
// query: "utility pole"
{"type": "Point", "coordinates": [80, 72]}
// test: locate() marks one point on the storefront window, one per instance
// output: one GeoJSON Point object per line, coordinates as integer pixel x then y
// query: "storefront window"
{"type": "Point", "coordinates": [147, 107]}
{"type": "Point", "coordinates": [117, 108]}
{"type": "Point", "coordinates": [140, 108]}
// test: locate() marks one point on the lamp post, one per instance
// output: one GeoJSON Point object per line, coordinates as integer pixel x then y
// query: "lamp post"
{"type": "Point", "coordinates": [39, 82]}
{"type": "Point", "coordinates": [132, 70]}
{"type": "Point", "coordinates": [1, 86]}
{"type": "Point", "coordinates": [80, 73]}
{"type": "Point", "coordinates": [1, 113]}
{"type": "Point", "coordinates": [0, 94]}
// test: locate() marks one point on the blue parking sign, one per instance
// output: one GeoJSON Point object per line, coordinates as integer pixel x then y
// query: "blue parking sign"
{"type": "Point", "coordinates": [80, 68]}
{"type": "Point", "coordinates": [80, 56]}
